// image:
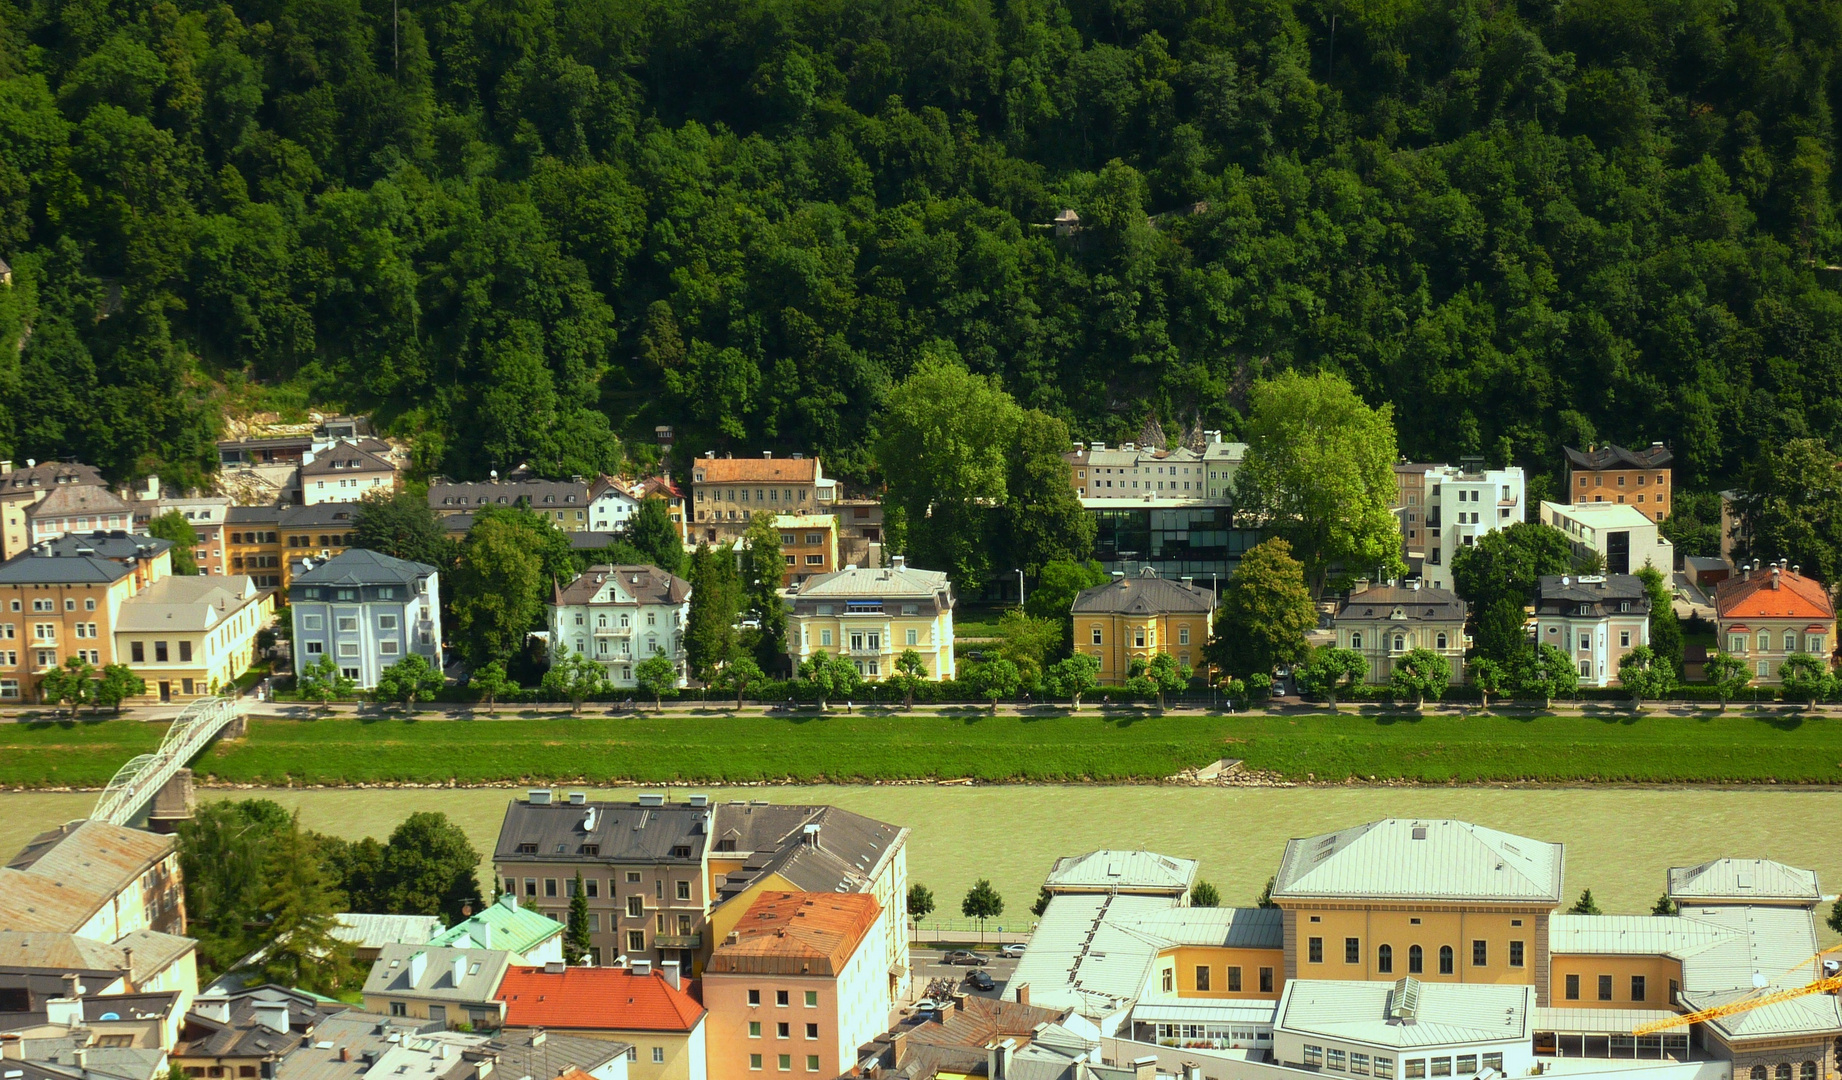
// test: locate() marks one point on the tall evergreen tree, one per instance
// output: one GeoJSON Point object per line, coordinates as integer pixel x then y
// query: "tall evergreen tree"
{"type": "Point", "coordinates": [761, 573]}
{"type": "Point", "coordinates": [576, 939]}
{"type": "Point", "coordinates": [716, 603]}
{"type": "Point", "coordinates": [297, 907]}
{"type": "Point", "coordinates": [653, 533]}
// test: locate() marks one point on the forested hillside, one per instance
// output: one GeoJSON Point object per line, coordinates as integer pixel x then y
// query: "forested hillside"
{"type": "Point", "coordinates": [524, 229]}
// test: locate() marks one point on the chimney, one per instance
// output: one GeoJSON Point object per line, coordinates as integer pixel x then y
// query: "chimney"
{"type": "Point", "coordinates": [1192, 1071]}
{"type": "Point", "coordinates": [767, 455]}
{"type": "Point", "coordinates": [810, 835]}
{"type": "Point", "coordinates": [1775, 570]}
{"type": "Point", "coordinates": [1188, 581]}
{"type": "Point", "coordinates": [6, 468]}
{"type": "Point", "coordinates": [64, 1011]}
{"type": "Point", "coordinates": [1023, 993]}
{"type": "Point", "coordinates": [458, 968]}
{"type": "Point", "coordinates": [898, 1045]}
{"type": "Point", "coordinates": [578, 798]}
{"type": "Point", "coordinates": [153, 487]}
{"type": "Point", "coordinates": [272, 1015]}
{"type": "Point", "coordinates": [554, 967]}
{"type": "Point", "coordinates": [669, 969]}
{"type": "Point", "coordinates": [998, 1059]}
{"type": "Point", "coordinates": [1416, 584]}
{"type": "Point", "coordinates": [641, 967]}
{"type": "Point", "coordinates": [418, 964]}
{"type": "Point", "coordinates": [484, 938]}
{"type": "Point", "coordinates": [1145, 1068]}
{"type": "Point", "coordinates": [898, 562]}
{"type": "Point", "coordinates": [1119, 575]}
{"type": "Point", "coordinates": [699, 801]}
{"type": "Point", "coordinates": [540, 796]}
{"type": "Point", "coordinates": [81, 1056]}
{"type": "Point", "coordinates": [73, 986]}
{"type": "Point", "coordinates": [345, 1053]}
{"type": "Point", "coordinates": [213, 1007]}
{"type": "Point", "coordinates": [537, 1037]}
{"type": "Point", "coordinates": [943, 1010]}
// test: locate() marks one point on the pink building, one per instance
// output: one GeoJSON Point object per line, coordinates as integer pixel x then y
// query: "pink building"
{"type": "Point", "coordinates": [799, 984]}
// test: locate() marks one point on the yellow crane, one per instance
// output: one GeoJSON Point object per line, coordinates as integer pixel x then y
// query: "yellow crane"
{"type": "Point", "coordinates": [1826, 985]}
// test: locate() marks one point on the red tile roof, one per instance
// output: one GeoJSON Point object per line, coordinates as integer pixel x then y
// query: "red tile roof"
{"type": "Point", "coordinates": [756, 470]}
{"type": "Point", "coordinates": [1767, 595]}
{"type": "Point", "coordinates": [595, 999]}
{"type": "Point", "coordinates": [797, 933]}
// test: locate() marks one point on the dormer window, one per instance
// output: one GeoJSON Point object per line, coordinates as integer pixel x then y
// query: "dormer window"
{"type": "Point", "coordinates": [527, 849]}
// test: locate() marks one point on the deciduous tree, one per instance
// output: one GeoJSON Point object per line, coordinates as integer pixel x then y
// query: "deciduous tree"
{"type": "Point", "coordinates": [491, 683]}
{"type": "Point", "coordinates": [1264, 614]}
{"type": "Point", "coordinates": [994, 680]}
{"type": "Point", "coordinates": [1329, 669]}
{"type": "Point", "coordinates": [657, 675]}
{"type": "Point", "coordinates": [1073, 677]}
{"type": "Point", "coordinates": [1727, 674]}
{"type": "Point", "coordinates": [1804, 677]}
{"type": "Point", "coordinates": [498, 583]}
{"type": "Point", "coordinates": [1159, 675]}
{"type": "Point", "coordinates": [737, 676]}
{"type": "Point", "coordinates": [408, 681]}
{"type": "Point", "coordinates": [1645, 675]}
{"type": "Point", "coordinates": [577, 678]}
{"type": "Point", "coordinates": [1420, 674]}
{"type": "Point", "coordinates": [173, 526]}
{"type": "Point", "coordinates": [982, 902]}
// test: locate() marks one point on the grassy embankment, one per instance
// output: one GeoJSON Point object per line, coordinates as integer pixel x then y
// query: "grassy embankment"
{"type": "Point", "coordinates": [1088, 746]}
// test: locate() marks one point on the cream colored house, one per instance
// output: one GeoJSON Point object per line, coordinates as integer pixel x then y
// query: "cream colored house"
{"type": "Point", "coordinates": [345, 473]}
{"type": "Point", "coordinates": [1383, 622]}
{"type": "Point", "coordinates": [871, 617]}
{"type": "Point", "coordinates": [1768, 614]}
{"type": "Point", "coordinates": [1595, 620]}
{"type": "Point", "coordinates": [192, 636]}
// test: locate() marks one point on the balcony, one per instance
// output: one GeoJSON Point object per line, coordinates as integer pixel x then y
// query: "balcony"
{"type": "Point", "coordinates": [614, 631]}
{"type": "Point", "coordinates": [678, 941]}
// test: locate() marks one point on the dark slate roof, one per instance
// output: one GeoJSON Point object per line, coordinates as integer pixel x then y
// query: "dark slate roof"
{"type": "Point", "coordinates": [308, 517]}
{"type": "Point", "coordinates": [1562, 594]}
{"type": "Point", "coordinates": [849, 846]}
{"type": "Point", "coordinates": [445, 494]}
{"type": "Point", "coordinates": [28, 568]}
{"type": "Point", "coordinates": [115, 544]}
{"type": "Point", "coordinates": [1610, 456]}
{"type": "Point", "coordinates": [1417, 605]}
{"type": "Point", "coordinates": [646, 584]}
{"type": "Point", "coordinates": [623, 831]}
{"type": "Point", "coordinates": [578, 541]}
{"type": "Point", "coordinates": [343, 457]}
{"type": "Point", "coordinates": [254, 515]}
{"type": "Point", "coordinates": [1146, 594]}
{"type": "Point", "coordinates": [49, 474]}
{"type": "Point", "coordinates": [242, 1036]}
{"type": "Point", "coordinates": [362, 566]}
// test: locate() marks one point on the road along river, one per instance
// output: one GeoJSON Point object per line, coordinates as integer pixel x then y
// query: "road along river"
{"type": "Point", "coordinates": [1619, 840]}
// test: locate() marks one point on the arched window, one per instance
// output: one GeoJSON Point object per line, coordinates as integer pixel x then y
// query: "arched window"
{"type": "Point", "coordinates": [1355, 639]}
{"type": "Point", "coordinates": [1415, 966]}
{"type": "Point", "coordinates": [1445, 964]}
{"type": "Point", "coordinates": [1439, 640]}
{"type": "Point", "coordinates": [1807, 1071]}
{"type": "Point", "coordinates": [1400, 642]}
{"type": "Point", "coordinates": [1758, 1072]}
{"type": "Point", "coordinates": [1384, 959]}
{"type": "Point", "coordinates": [1784, 1070]}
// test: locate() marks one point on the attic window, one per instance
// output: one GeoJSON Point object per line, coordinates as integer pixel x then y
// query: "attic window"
{"type": "Point", "coordinates": [1419, 832]}
{"type": "Point", "coordinates": [560, 848]}
{"type": "Point", "coordinates": [682, 851]}
{"type": "Point", "coordinates": [527, 849]}
{"type": "Point", "coordinates": [589, 849]}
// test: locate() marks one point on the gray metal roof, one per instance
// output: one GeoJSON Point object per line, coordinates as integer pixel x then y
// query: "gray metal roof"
{"type": "Point", "coordinates": [619, 832]}
{"type": "Point", "coordinates": [1412, 605]}
{"type": "Point", "coordinates": [1235, 928]}
{"type": "Point", "coordinates": [254, 515]}
{"type": "Point", "coordinates": [362, 566]}
{"type": "Point", "coordinates": [1562, 594]}
{"type": "Point", "coordinates": [901, 581]}
{"type": "Point", "coordinates": [620, 585]}
{"type": "Point", "coordinates": [115, 544]}
{"type": "Point", "coordinates": [1205, 1011]}
{"type": "Point", "coordinates": [396, 974]}
{"type": "Point", "coordinates": [49, 474]}
{"type": "Point", "coordinates": [542, 1055]}
{"type": "Point", "coordinates": [368, 931]}
{"type": "Point", "coordinates": [1596, 1021]}
{"type": "Point", "coordinates": [1613, 456]}
{"type": "Point", "coordinates": [359, 1034]}
{"type": "Point", "coordinates": [1083, 955]}
{"type": "Point", "coordinates": [343, 458]}
{"type": "Point", "coordinates": [242, 1036]}
{"type": "Point", "coordinates": [1143, 594]}
{"type": "Point", "coordinates": [1743, 879]}
{"type": "Point", "coordinates": [445, 494]}
{"type": "Point", "coordinates": [192, 603]}
{"type": "Point", "coordinates": [1136, 871]}
{"type": "Point", "coordinates": [1448, 1014]}
{"type": "Point", "coordinates": [1429, 859]}
{"type": "Point", "coordinates": [327, 514]}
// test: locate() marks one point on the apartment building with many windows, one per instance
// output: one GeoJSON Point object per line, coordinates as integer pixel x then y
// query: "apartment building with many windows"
{"type": "Point", "coordinates": [1594, 619]}
{"type": "Point", "coordinates": [1612, 474]}
{"type": "Point", "coordinates": [367, 611]}
{"type": "Point", "coordinates": [1768, 613]}
{"type": "Point", "coordinates": [621, 616]}
{"type": "Point", "coordinates": [726, 492]}
{"type": "Point", "coordinates": [23, 488]}
{"type": "Point", "coordinates": [64, 598]}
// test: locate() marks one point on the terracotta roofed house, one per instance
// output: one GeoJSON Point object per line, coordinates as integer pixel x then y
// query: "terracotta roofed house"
{"type": "Point", "coordinates": [1767, 614]}
{"type": "Point", "coordinates": [650, 1009]}
{"type": "Point", "coordinates": [799, 984]}
{"type": "Point", "coordinates": [726, 492]}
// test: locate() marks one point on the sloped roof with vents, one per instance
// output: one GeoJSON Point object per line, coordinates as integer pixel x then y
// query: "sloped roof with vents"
{"type": "Point", "coordinates": [1742, 879]}
{"type": "Point", "coordinates": [1406, 859]}
{"type": "Point", "coordinates": [1769, 594]}
{"type": "Point", "coordinates": [1145, 594]}
{"type": "Point", "coordinates": [796, 933]}
{"type": "Point", "coordinates": [75, 867]}
{"type": "Point", "coordinates": [1414, 605]}
{"type": "Point", "coordinates": [361, 566]}
{"type": "Point", "coordinates": [78, 499]}
{"type": "Point", "coordinates": [635, 584]}
{"type": "Point", "coordinates": [1130, 871]}
{"type": "Point", "coordinates": [1445, 1014]}
{"type": "Point", "coordinates": [502, 925]}
{"type": "Point", "coordinates": [1612, 456]}
{"type": "Point", "coordinates": [343, 458]}
{"type": "Point", "coordinates": [757, 470]}
{"type": "Point", "coordinates": [596, 999]}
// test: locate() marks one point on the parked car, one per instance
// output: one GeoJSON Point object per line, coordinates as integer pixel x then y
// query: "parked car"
{"type": "Point", "coordinates": [1014, 951]}
{"type": "Point", "coordinates": [927, 1005]}
{"type": "Point", "coordinates": [1279, 689]}
{"type": "Point", "coordinates": [963, 956]}
{"type": "Point", "coordinates": [978, 980]}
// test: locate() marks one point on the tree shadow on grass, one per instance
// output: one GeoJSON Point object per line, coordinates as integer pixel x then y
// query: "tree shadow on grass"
{"type": "Point", "coordinates": [1783, 723]}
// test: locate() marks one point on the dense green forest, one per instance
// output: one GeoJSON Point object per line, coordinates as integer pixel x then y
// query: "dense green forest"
{"type": "Point", "coordinates": [532, 229]}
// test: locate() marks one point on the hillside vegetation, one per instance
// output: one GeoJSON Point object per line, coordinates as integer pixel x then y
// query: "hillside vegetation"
{"type": "Point", "coordinates": [521, 229]}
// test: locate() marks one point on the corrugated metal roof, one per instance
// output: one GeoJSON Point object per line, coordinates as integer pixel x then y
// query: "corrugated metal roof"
{"type": "Point", "coordinates": [394, 973]}
{"type": "Point", "coordinates": [1448, 1013]}
{"type": "Point", "coordinates": [1743, 879]}
{"type": "Point", "coordinates": [501, 925]}
{"type": "Point", "coordinates": [368, 931]}
{"type": "Point", "coordinates": [1239, 928]}
{"type": "Point", "coordinates": [1109, 869]}
{"type": "Point", "coordinates": [882, 582]}
{"type": "Point", "coordinates": [1632, 935]}
{"type": "Point", "coordinates": [1083, 957]}
{"type": "Point", "coordinates": [81, 862]}
{"type": "Point", "coordinates": [1401, 858]}
{"type": "Point", "coordinates": [1206, 1012]}
{"type": "Point", "coordinates": [1601, 1021]}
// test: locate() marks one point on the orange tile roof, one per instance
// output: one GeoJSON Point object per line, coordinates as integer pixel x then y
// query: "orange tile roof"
{"type": "Point", "coordinates": [1765, 595]}
{"type": "Point", "coordinates": [595, 999]}
{"type": "Point", "coordinates": [797, 933]}
{"type": "Point", "coordinates": [756, 470]}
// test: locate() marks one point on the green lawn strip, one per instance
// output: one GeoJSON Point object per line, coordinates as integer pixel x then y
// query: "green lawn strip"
{"type": "Point", "coordinates": [1088, 746]}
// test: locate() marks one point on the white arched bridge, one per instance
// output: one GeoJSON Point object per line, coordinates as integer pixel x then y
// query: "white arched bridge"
{"type": "Point", "coordinates": [136, 783]}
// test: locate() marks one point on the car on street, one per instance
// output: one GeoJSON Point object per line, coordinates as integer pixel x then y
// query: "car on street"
{"type": "Point", "coordinates": [1014, 950]}
{"type": "Point", "coordinates": [978, 980]}
{"type": "Point", "coordinates": [963, 956]}
{"type": "Point", "coordinates": [927, 1005]}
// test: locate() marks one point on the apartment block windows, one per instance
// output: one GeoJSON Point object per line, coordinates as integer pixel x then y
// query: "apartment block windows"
{"type": "Point", "coordinates": [783, 1031]}
{"type": "Point", "coordinates": [185, 652]}
{"type": "Point", "coordinates": [160, 652]}
{"type": "Point", "coordinates": [1416, 960]}
{"type": "Point", "coordinates": [1573, 988]}
{"type": "Point", "coordinates": [1605, 988]}
{"type": "Point", "coordinates": [1384, 1068]}
{"type": "Point", "coordinates": [1234, 980]}
{"type": "Point", "coordinates": [1202, 979]}
{"type": "Point", "coordinates": [1480, 954]}
{"type": "Point", "coordinates": [1316, 950]}
{"type": "Point", "coordinates": [137, 652]}
{"type": "Point", "coordinates": [1169, 980]}
{"type": "Point", "coordinates": [1446, 966]}
{"type": "Point", "coordinates": [780, 998]}
{"type": "Point", "coordinates": [636, 941]}
{"type": "Point", "coordinates": [1352, 950]}
{"type": "Point", "coordinates": [1637, 988]}
{"type": "Point", "coordinates": [1384, 959]}
{"type": "Point", "coordinates": [636, 906]}
{"type": "Point", "coordinates": [754, 997]}
{"type": "Point", "coordinates": [1266, 980]}
{"type": "Point", "coordinates": [684, 890]}
{"type": "Point", "coordinates": [812, 999]}
{"type": "Point", "coordinates": [1515, 954]}
{"type": "Point", "coordinates": [812, 1031]}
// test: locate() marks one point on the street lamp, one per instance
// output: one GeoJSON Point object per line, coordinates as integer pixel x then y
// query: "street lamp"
{"type": "Point", "coordinates": [1020, 588]}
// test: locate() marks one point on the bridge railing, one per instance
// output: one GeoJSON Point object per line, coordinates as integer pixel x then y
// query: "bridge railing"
{"type": "Point", "coordinates": [138, 780]}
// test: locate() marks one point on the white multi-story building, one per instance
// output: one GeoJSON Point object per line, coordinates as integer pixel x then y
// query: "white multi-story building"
{"type": "Point", "coordinates": [620, 616]}
{"type": "Point", "coordinates": [1132, 471]}
{"type": "Point", "coordinates": [1462, 505]}
{"type": "Point", "coordinates": [367, 610]}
